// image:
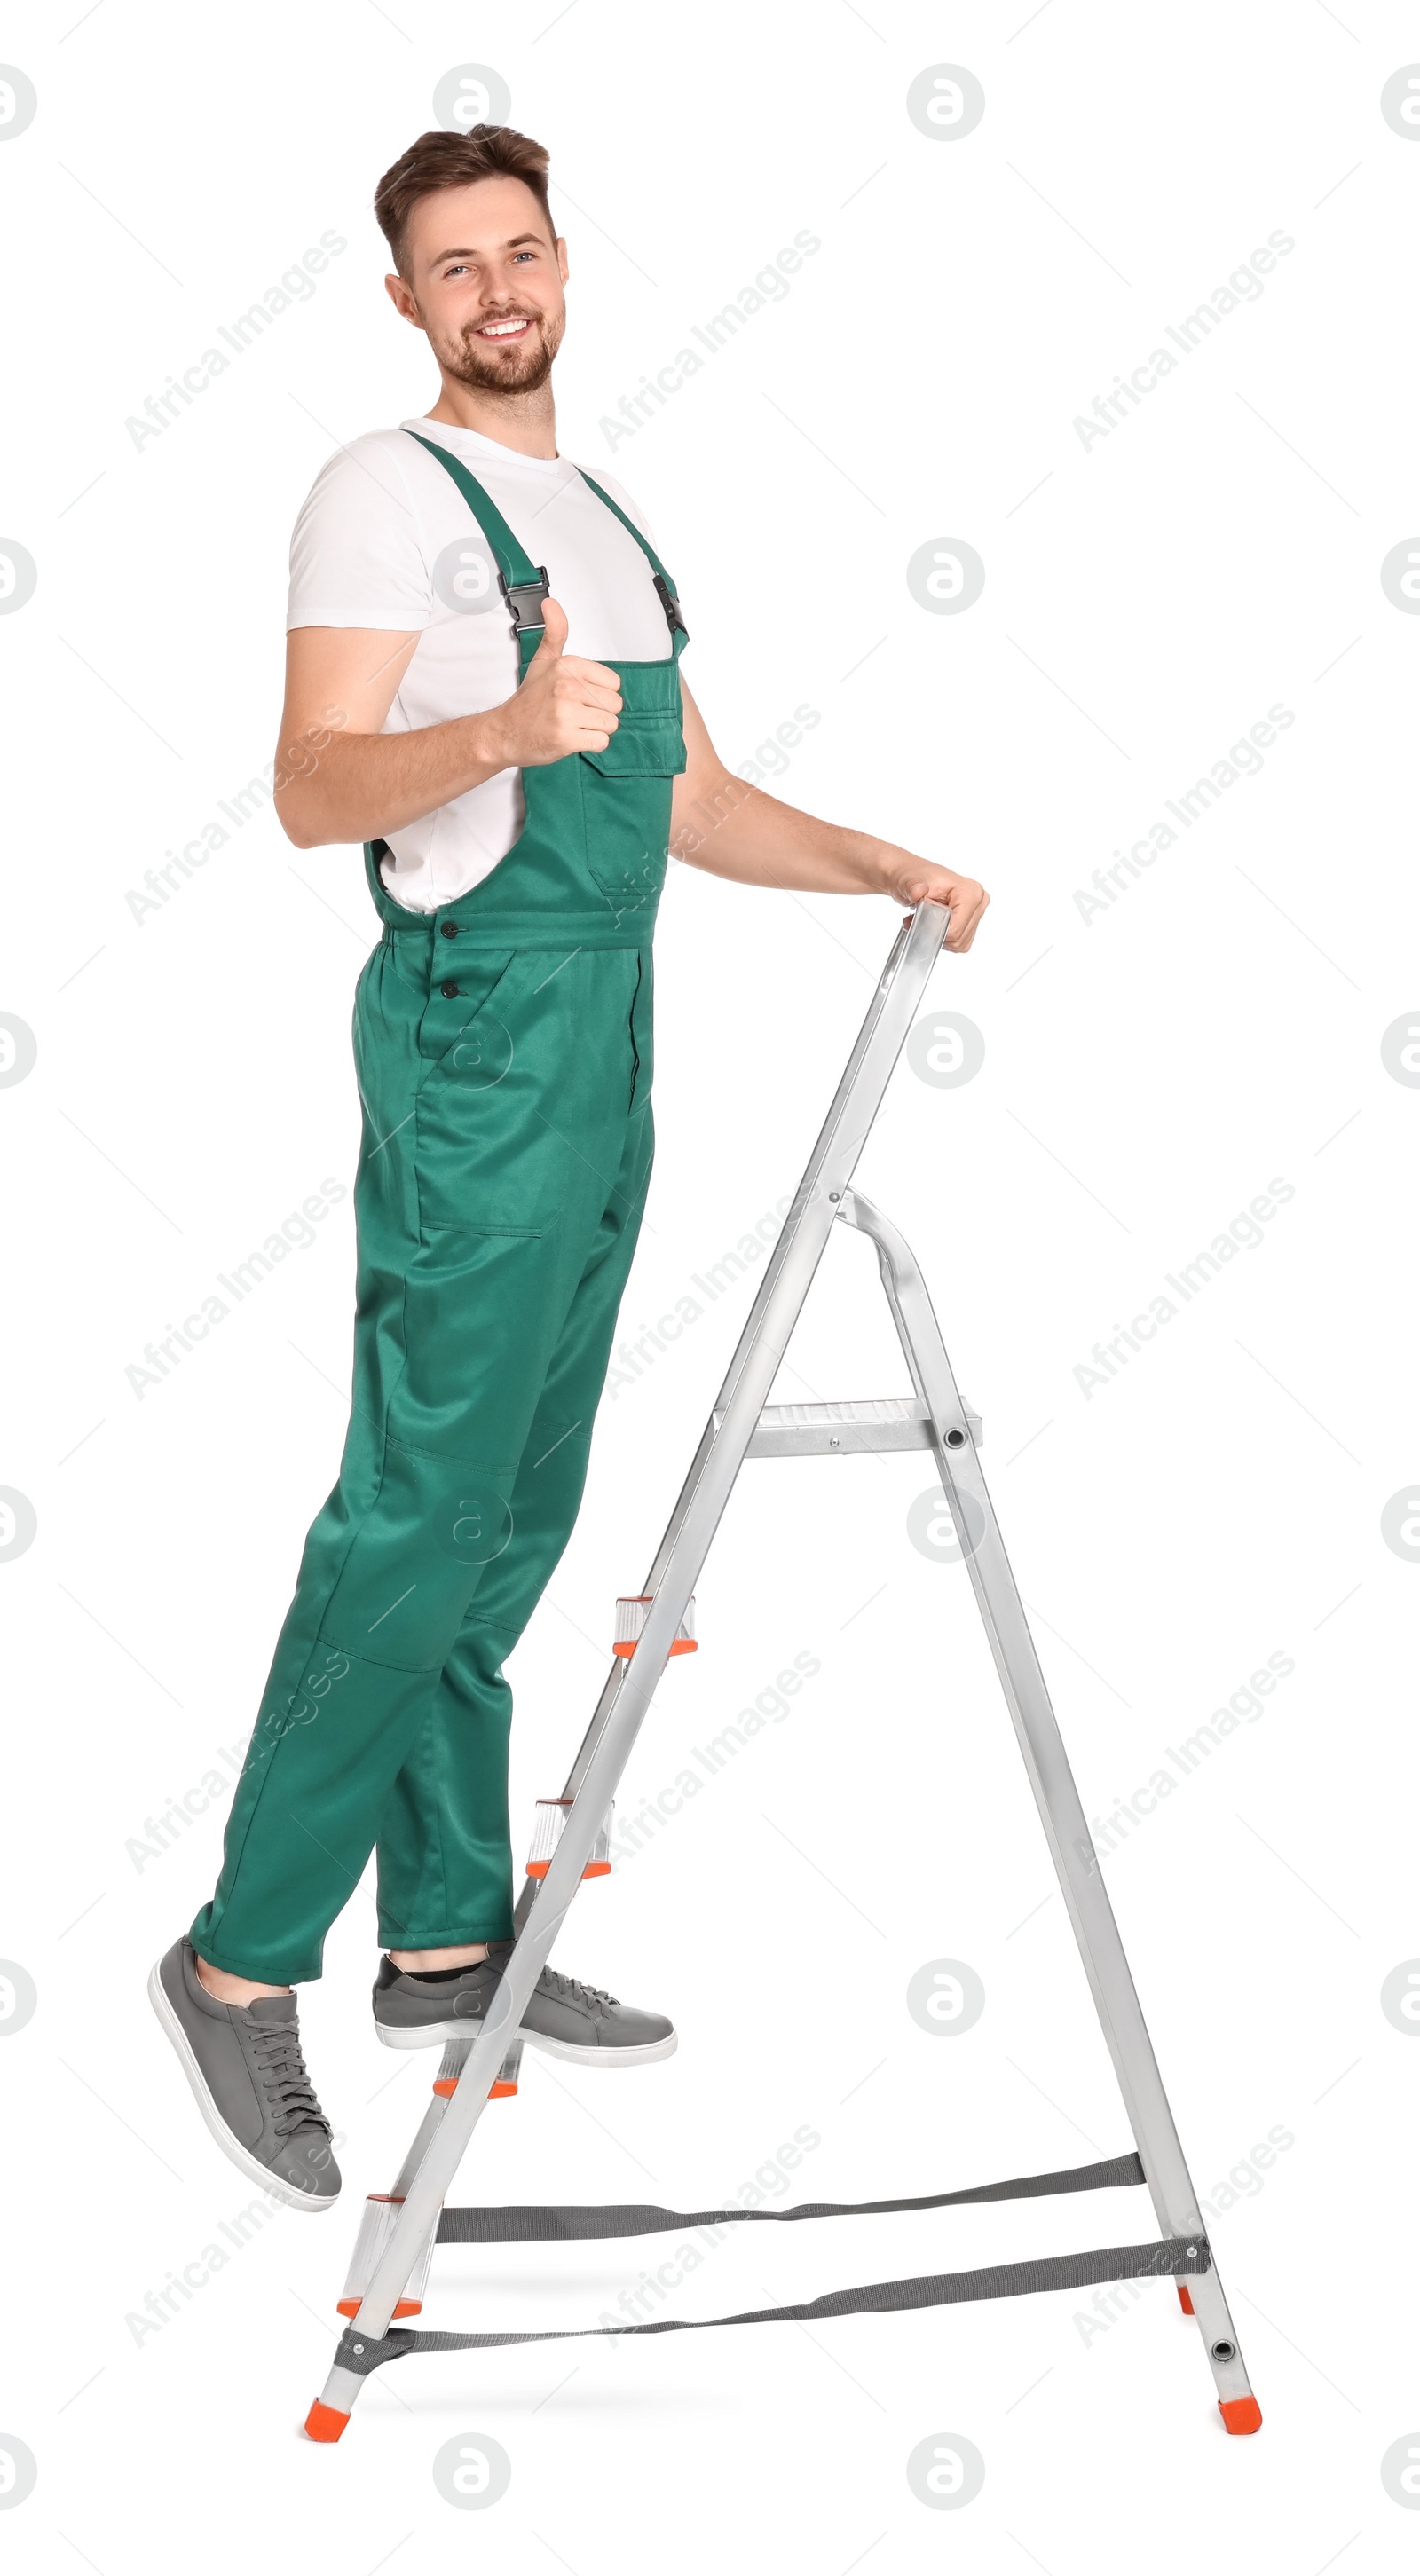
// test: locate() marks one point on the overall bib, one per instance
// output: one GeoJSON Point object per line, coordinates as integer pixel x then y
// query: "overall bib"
{"type": "Point", "coordinates": [503, 1048]}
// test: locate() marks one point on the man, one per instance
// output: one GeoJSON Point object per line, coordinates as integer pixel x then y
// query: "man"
{"type": "Point", "coordinates": [518, 802]}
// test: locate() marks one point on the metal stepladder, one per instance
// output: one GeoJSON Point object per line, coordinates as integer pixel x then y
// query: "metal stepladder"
{"type": "Point", "coordinates": [400, 2229]}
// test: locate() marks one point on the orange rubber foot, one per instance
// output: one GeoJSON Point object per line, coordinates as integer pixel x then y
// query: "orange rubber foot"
{"type": "Point", "coordinates": [402, 2307]}
{"type": "Point", "coordinates": [1240, 2414]}
{"type": "Point", "coordinates": [1184, 2300]}
{"type": "Point", "coordinates": [325, 2423]}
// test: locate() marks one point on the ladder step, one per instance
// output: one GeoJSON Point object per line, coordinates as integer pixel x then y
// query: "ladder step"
{"type": "Point", "coordinates": [552, 1815]}
{"type": "Point", "coordinates": [849, 1429]}
{"type": "Point", "coordinates": [455, 2058]}
{"type": "Point", "coordinates": [631, 1610]}
{"type": "Point", "coordinates": [377, 2224]}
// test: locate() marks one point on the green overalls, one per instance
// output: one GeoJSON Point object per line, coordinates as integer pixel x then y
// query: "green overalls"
{"type": "Point", "coordinates": [503, 1048]}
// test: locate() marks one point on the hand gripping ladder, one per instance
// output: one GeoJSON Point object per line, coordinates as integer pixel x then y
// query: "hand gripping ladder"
{"type": "Point", "coordinates": [399, 2230]}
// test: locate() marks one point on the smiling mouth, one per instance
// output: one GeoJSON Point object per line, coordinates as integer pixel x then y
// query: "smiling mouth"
{"type": "Point", "coordinates": [511, 327]}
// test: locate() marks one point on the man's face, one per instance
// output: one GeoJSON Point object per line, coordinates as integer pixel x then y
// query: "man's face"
{"type": "Point", "coordinates": [485, 282]}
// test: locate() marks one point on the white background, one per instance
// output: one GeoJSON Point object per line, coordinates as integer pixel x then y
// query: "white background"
{"type": "Point", "coordinates": [1147, 1074]}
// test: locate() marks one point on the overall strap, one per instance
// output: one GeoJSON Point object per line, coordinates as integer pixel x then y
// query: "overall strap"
{"type": "Point", "coordinates": [664, 585]}
{"type": "Point", "coordinates": [523, 584]}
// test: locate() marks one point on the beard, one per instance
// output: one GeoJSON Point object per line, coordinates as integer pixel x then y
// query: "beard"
{"type": "Point", "coordinates": [488, 369]}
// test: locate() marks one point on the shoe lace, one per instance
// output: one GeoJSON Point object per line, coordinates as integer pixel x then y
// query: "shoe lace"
{"type": "Point", "coordinates": [577, 1990]}
{"type": "Point", "coordinates": [277, 2051]}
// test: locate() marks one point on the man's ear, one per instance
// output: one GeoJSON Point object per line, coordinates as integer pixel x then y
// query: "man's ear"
{"type": "Point", "coordinates": [562, 268]}
{"type": "Point", "coordinates": [402, 300]}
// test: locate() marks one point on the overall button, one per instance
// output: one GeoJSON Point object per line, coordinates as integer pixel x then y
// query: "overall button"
{"type": "Point", "coordinates": [448, 930]}
{"type": "Point", "coordinates": [450, 992]}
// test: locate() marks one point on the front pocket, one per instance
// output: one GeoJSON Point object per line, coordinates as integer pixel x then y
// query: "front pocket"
{"type": "Point", "coordinates": [489, 1152]}
{"type": "Point", "coordinates": [626, 823]}
{"type": "Point", "coordinates": [647, 743]}
{"type": "Point", "coordinates": [626, 789]}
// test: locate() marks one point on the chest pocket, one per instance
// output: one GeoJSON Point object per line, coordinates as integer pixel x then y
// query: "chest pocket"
{"type": "Point", "coordinates": [490, 1157]}
{"type": "Point", "coordinates": [626, 800]}
{"type": "Point", "coordinates": [646, 744]}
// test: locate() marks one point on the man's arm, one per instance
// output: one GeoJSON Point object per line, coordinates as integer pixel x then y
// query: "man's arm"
{"type": "Point", "coordinates": [721, 823]}
{"type": "Point", "coordinates": [338, 778]}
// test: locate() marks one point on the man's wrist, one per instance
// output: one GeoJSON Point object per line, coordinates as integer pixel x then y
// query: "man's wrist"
{"type": "Point", "coordinates": [881, 863]}
{"type": "Point", "coordinates": [488, 740]}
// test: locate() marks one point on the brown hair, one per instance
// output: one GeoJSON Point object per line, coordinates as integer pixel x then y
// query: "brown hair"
{"type": "Point", "coordinates": [440, 160]}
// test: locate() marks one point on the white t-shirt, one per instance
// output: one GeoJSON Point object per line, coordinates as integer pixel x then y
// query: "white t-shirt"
{"type": "Point", "coordinates": [386, 539]}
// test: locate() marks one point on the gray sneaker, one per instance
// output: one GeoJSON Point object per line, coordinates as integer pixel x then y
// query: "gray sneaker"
{"type": "Point", "coordinates": [565, 2018]}
{"type": "Point", "coordinates": [244, 2064]}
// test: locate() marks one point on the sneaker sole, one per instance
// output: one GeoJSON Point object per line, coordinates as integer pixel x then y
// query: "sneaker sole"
{"type": "Point", "coordinates": [434, 2034]}
{"type": "Point", "coordinates": [646, 2055]}
{"type": "Point", "coordinates": [230, 2146]}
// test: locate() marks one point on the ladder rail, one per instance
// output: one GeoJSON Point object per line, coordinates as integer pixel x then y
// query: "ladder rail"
{"type": "Point", "coordinates": [1057, 1798]}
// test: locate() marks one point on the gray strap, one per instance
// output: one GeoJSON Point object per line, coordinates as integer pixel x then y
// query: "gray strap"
{"type": "Point", "coordinates": [533, 2226]}
{"type": "Point", "coordinates": [362, 2353]}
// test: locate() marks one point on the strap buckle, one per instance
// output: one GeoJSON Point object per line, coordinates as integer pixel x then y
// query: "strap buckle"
{"type": "Point", "coordinates": [671, 605]}
{"type": "Point", "coordinates": [524, 600]}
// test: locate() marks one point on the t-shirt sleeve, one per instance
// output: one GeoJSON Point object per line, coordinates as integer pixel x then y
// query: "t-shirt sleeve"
{"type": "Point", "coordinates": [356, 556]}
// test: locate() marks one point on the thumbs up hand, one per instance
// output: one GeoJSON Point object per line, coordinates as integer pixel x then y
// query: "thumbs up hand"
{"type": "Point", "coordinates": [563, 704]}
{"type": "Point", "coordinates": [554, 634]}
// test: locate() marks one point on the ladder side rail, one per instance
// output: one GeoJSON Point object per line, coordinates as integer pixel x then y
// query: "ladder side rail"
{"type": "Point", "coordinates": [867, 1219]}
{"type": "Point", "coordinates": [414, 2154]}
{"type": "Point", "coordinates": [1023, 1682]}
{"type": "Point", "coordinates": [1062, 1815]}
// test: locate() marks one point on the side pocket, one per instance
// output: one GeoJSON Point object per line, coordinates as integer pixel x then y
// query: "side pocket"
{"type": "Point", "coordinates": [453, 1020]}
{"type": "Point", "coordinates": [489, 1150]}
{"type": "Point", "coordinates": [642, 1039]}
